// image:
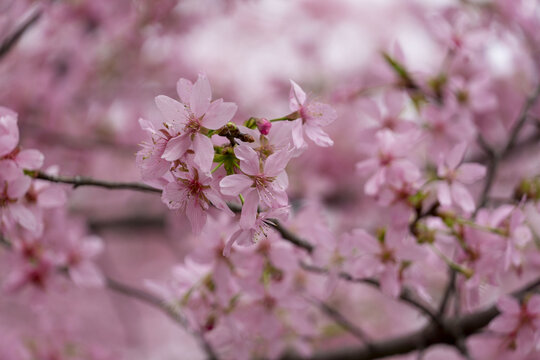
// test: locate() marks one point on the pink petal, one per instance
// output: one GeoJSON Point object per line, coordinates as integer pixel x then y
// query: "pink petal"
{"type": "Point", "coordinates": [201, 94]}
{"type": "Point", "coordinates": [249, 210]}
{"type": "Point", "coordinates": [470, 173]}
{"type": "Point", "coordinates": [174, 195]}
{"type": "Point", "coordinates": [184, 88]}
{"type": "Point", "coordinates": [504, 324]}
{"type": "Point", "coordinates": [318, 136]}
{"type": "Point", "coordinates": [219, 114]}
{"type": "Point", "coordinates": [25, 217]}
{"type": "Point", "coordinates": [147, 126]}
{"type": "Point", "coordinates": [204, 152]}
{"type": "Point", "coordinates": [455, 156]}
{"type": "Point", "coordinates": [375, 182]}
{"type": "Point", "coordinates": [9, 132]}
{"type": "Point", "coordinates": [197, 217]}
{"type": "Point", "coordinates": [176, 148]}
{"type": "Point", "coordinates": [501, 213]}
{"type": "Point", "coordinates": [297, 135]}
{"type": "Point", "coordinates": [367, 242]}
{"type": "Point", "coordinates": [462, 197]}
{"type": "Point", "coordinates": [276, 163]}
{"type": "Point", "coordinates": [9, 170]}
{"type": "Point", "coordinates": [249, 160]}
{"type": "Point", "coordinates": [297, 96]}
{"type": "Point", "coordinates": [17, 188]}
{"type": "Point", "coordinates": [233, 185]}
{"type": "Point", "coordinates": [525, 339]}
{"type": "Point", "coordinates": [230, 243]}
{"type": "Point", "coordinates": [172, 110]}
{"type": "Point", "coordinates": [30, 159]}
{"type": "Point", "coordinates": [443, 193]}
{"type": "Point", "coordinates": [394, 102]}
{"type": "Point", "coordinates": [215, 198]}
{"type": "Point", "coordinates": [508, 305]}
{"type": "Point", "coordinates": [319, 114]}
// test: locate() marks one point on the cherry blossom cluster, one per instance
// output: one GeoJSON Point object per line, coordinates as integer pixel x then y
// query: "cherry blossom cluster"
{"type": "Point", "coordinates": [243, 162]}
{"type": "Point", "coordinates": [43, 240]}
{"type": "Point", "coordinates": [415, 161]}
{"type": "Point", "coordinates": [422, 189]}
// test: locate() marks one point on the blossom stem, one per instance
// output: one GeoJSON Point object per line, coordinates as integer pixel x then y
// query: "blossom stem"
{"type": "Point", "coordinates": [217, 167]}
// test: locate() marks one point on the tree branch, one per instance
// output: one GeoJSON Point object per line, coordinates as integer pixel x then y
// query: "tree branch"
{"type": "Point", "coordinates": [404, 296]}
{"type": "Point", "coordinates": [15, 36]}
{"type": "Point", "coordinates": [150, 299]}
{"type": "Point", "coordinates": [493, 157]}
{"type": "Point", "coordinates": [425, 337]}
{"type": "Point", "coordinates": [78, 181]}
{"type": "Point", "coordinates": [342, 321]}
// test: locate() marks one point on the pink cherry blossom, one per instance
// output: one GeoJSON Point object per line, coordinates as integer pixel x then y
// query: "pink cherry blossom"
{"type": "Point", "coordinates": [9, 132]}
{"type": "Point", "coordinates": [313, 116]}
{"type": "Point", "coordinates": [193, 193]}
{"type": "Point", "coordinates": [187, 119]}
{"type": "Point", "coordinates": [455, 176]}
{"type": "Point", "coordinates": [518, 324]}
{"type": "Point", "coordinates": [387, 161]}
{"type": "Point", "coordinates": [259, 181]}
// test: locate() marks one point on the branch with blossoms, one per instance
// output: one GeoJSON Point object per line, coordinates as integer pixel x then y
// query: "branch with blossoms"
{"type": "Point", "coordinates": [242, 291]}
{"type": "Point", "coordinates": [446, 196]}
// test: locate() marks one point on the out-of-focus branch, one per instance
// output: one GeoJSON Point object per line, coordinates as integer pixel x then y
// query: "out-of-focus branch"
{"type": "Point", "coordinates": [11, 40]}
{"type": "Point", "coordinates": [130, 222]}
{"type": "Point", "coordinates": [150, 299]}
{"type": "Point", "coordinates": [342, 321]}
{"type": "Point", "coordinates": [77, 181]}
{"type": "Point", "coordinates": [404, 296]}
{"type": "Point", "coordinates": [450, 288]}
{"type": "Point", "coordinates": [423, 338]}
{"type": "Point", "coordinates": [494, 157]}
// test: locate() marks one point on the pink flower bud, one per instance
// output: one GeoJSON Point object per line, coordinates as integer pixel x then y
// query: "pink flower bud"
{"type": "Point", "coordinates": [264, 125]}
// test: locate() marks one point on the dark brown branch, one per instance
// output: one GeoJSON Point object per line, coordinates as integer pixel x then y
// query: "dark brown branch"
{"type": "Point", "coordinates": [86, 181]}
{"type": "Point", "coordinates": [15, 36]}
{"type": "Point", "coordinates": [423, 338]}
{"type": "Point", "coordinates": [290, 236]}
{"type": "Point", "coordinates": [131, 222]}
{"type": "Point", "coordinates": [450, 288]}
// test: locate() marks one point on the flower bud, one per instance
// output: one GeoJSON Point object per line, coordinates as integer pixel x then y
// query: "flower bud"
{"type": "Point", "coordinates": [264, 125]}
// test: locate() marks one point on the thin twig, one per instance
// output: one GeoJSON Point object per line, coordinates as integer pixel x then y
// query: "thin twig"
{"type": "Point", "coordinates": [78, 181]}
{"type": "Point", "coordinates": [450, 288]}
{"type": "Point", "coordinates": [290, 236]}
{"type": "Point", "coordinates": [11, 40]}
{"type": "Point", "coordinates": [169, 311]}
{"type": "Point", "coordinates": [404, 296]}
{"type": "Point", "coordinates": [342, 321]}
{"type": "Point", "coordinates": [493, 157]}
